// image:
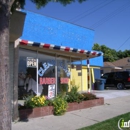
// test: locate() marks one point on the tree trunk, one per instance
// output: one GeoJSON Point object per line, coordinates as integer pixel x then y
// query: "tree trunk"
{"type": "Point", "coordinates": [5, 98]}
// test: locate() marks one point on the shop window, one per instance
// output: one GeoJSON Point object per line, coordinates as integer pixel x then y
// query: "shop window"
{"type": "Point", "coordinates": [50, 77]}
{"type": "Point", "coordinates": [25, 73]}
{"type": "Point", "coordinates": [46, 73]}
{"type": "Point", "coordinates": [63, 75]}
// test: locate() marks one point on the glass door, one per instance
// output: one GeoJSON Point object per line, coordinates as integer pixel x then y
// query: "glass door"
{"type": "Point", "coordinates": [63, 75]}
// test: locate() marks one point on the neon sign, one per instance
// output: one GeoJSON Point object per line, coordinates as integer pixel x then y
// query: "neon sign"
{"type": "Point", "coordinates": [46, 66]}
{"type": "Point", "coordinates": [64, 80]}
{"type": "Point", "coordinates": [47, 81]}
{"type": "Point", "coordinates": [53, 81]}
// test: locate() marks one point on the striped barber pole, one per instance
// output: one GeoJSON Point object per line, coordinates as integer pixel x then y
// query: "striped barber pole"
{"type": "Point", "coordinates": [88, 75]}
{"type": "Point", "coordinates": [62, 48]}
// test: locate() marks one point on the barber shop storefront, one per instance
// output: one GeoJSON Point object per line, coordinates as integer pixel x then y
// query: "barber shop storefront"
{"type": "Point", "coordinates": [51, 56]}
{"type": "Point", "coordinates": [47, 70]}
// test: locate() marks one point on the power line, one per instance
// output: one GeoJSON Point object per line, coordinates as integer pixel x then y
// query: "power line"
{"type": "Point", "coordinates": [124, 43]}
{"type": "Point", "coordinates": [108, 17]}
{"type": "Point", "coordinates": [91, 12]}
{"type": "Point", "coordinates": [85, 12]}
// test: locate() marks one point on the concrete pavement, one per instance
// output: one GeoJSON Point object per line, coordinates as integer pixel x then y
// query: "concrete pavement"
{"type": "Point", "coordinates": [117, 102]}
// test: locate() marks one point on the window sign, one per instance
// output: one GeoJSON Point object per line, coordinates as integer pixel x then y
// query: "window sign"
{"type": "Point", "coordinates": [47, 80]}
{"type": "Point", "coordinates": [46, 66]}
{"type": "Point", "coordinates": [31, 62]}
{"type": "Point", "coordinates": [51, 91]}
{"type": "Point", "coordinates": [43, 69]}
{"type": "Point", "coordinates": [64, 80]}
{"type": "Point", "coordinates": [67, 72]}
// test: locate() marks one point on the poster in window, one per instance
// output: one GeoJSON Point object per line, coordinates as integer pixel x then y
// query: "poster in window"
{"type": "Point", "coordinates": [51, 91]}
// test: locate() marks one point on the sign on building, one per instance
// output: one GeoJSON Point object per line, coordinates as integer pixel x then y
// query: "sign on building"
{"type": "Point", "coordinates": [31, 62]}
{"type": "Point", "coordinates": [51, 91]}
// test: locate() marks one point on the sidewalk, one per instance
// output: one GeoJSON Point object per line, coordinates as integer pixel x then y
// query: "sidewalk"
{"type": "Point", "coordinates": [81, 118]}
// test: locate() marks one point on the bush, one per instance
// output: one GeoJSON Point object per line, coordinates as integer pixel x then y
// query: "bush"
{"type": "Point", "coordinates": [88, 96]}
{"type": "Point", "coordinates": [73, 95]}
{"type": "Point", "coordinates": [36, 101]}
{"type": "Point", "coordinates": [60, 102]}
{"type": "Point", "coordinates": [60, 105]}
{"type": "Point", "coordinates": [64, 88]}
{"type": "Point", "coordinates": [48, 102]}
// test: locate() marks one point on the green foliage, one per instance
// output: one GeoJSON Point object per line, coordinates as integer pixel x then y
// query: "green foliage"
{"type": "Point", "coordinates": [73, 95]}
{"type": "Point", "coordinates": [123, 54]}
{"type": "Point", "coordinates": [126, 53]}
{"type": "Point", "coordinates": [19, 4]}
{"type": "Point", "coordinates": [111, 55]}
{"type": "Point", "coordinates": [60, 105]}
{"type": "Point", "coordinates": [36, 101]}
{"type": "Point", "coordinates": [63, 88]}
{"type": "Point", "coordinates": [40, 3]}
{"type": "Point", "coordinates": [59, 102]}
{"type": "Point", "coordinates": [120, 54]}
{"type": "Point", "coordinates": [48, 102]}
{"type": "Point", "coordinates": [96, 47]}
{"type": "Point", "coordinates": [108, 53]}
{"type": "Point", "coordinates": [110, 124]}
{"type": "Point", "coordinates": [88, 96]}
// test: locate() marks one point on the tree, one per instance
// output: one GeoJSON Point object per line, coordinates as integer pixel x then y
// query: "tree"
{"type": "Point", "coordinates": [96, 47]}
{"type": "Point", "coordinates": [6, 7]}
{"type": "Point", "coordinates": [120, 54]}
{"type": "Point", "coordinates": [126, 53]}
{"type": "Point", "coordinates": [109, 54]}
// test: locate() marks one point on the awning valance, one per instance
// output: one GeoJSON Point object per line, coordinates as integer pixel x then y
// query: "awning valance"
{"type": "Point", "coordinates": [73, 52]}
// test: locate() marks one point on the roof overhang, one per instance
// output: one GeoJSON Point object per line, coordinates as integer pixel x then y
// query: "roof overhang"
{"type": "Point", "coordinates": [117, 68]}
{"type": "Point", "coordinates": [112, 67]}
{"type": "Point", "coordinates": [74, 53]}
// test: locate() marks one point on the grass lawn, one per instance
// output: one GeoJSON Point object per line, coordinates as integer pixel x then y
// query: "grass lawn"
{"type": "Point", "coordinates": [110, 124]}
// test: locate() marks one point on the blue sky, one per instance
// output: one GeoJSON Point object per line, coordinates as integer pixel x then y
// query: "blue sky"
{"type": "Point", "coordinates": [110, 19]}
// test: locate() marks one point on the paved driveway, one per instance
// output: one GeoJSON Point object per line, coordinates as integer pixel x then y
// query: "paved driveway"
{"type": "Point", "coordinates": [111, 93]}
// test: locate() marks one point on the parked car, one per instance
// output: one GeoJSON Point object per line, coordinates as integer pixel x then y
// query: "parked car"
{"type": "Point", "coordinates": [120, 79]}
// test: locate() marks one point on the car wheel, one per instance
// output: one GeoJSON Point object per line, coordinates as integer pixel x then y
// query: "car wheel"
{"type": "Point", "coordinates": [120, 86]}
